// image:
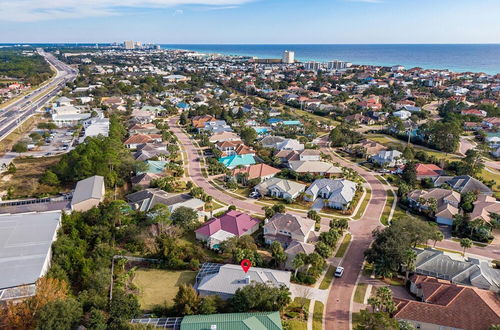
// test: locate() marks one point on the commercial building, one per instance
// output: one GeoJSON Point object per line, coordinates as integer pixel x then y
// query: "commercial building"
{"type": "Point", "coordinates": [313, 66]}
{"type": "Point", "coordinates": [25, 251]}
{"type": "Point", "coordinates": [129, 44]}
{"type": "Point", "coordinates": [337, 65]}
{"type": "Point", "coordinates": [288, 57]}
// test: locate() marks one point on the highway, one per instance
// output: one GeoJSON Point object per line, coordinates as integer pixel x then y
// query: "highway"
{"type": "Point", "coordinates": [14, 114]}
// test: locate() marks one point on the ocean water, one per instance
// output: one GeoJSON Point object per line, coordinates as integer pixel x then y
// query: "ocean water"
{"type": "Point", "coordinates": [455, 57]}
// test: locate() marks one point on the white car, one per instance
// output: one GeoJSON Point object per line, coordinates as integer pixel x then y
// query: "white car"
{"type": "Point", "coordinates": [339, 271]}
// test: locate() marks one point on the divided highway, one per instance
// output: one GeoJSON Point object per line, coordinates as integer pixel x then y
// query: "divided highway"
{"type": "Point", "coordinates": [14, 114]}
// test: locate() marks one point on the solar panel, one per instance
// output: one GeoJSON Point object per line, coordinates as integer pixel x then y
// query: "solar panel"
{"type": "Point", "coordinates": [166, 323]}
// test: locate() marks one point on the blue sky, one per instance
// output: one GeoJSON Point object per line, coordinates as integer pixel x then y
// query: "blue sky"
{"type": "Point", "coordinates": [251, 21]}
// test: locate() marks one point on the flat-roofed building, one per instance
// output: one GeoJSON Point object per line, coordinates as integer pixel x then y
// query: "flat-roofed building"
{"type": "Point", "coordinates": [25, 251]}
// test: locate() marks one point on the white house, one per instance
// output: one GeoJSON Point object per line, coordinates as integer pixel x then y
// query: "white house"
{"type": "Point", "coordinates": [338, 193]}
{"type": "Point", "coordinates": [280, 188]}
{"type": "Point", "coordinates": [388, 158]}
{"type": "Point", "coordinates": [403, 114]}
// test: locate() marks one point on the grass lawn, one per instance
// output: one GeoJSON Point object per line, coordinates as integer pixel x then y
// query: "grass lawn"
{"type": "Point", "coordinates": [487, 175]}
{"type": "Point", "coordinates": [387, 208]}
{"type": "Point", "coordinates": [328, 279]}
{"type": "Point", "coordinates": [364, 203]}
{"type": "Point", "coordinates": [266, 202]}
{"type": "Point", "coordinates": [343, 246]}
{"type": "Point", "coordinates": [318, 315]}
{"type": "Point", "coordinates": [387, 141]}
{"type": "Point", "coordinates": [24, 182]}
{"type": "Point", "coordinates": [11, 139]}
{"type": "Point", "coordinates": [158, 286]}
{"type": "Point", "coordinates": [296, 325]}
{"type": "Point", "coordinates": [296, 313]}
{"type": "Point", "coordinates": [359, 294]}
{"type": "Point", "coordinates": [356, 318]}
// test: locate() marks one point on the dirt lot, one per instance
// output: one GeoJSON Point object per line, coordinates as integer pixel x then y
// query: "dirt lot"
{"type": "Point", "coordinates": [24, 182]}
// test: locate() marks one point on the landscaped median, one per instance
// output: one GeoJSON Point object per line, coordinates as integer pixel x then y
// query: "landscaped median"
{"type": "Point", "coordinates": [384, 219]}
{"type": "Point", "coordinates": [343, 246]}
{"type": "Point", "coordinates": [359, 294]}
{"type": "Point", "coordinates": [364, 204]}
{"type": "Point", "coordinates": [328, 278]}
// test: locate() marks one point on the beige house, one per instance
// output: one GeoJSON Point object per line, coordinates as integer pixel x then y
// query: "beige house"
{"type": "Point", "coordinates": [88, 193]}
{"type": "Point", "coordinates": [286, 228]}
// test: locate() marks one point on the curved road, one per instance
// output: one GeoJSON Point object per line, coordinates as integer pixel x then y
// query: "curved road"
{"type": "Point", "coordinates": [338, 307]}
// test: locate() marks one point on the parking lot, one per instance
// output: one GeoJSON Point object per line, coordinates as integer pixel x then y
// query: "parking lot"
{"type": "Point", "coordinates": [56, 142]}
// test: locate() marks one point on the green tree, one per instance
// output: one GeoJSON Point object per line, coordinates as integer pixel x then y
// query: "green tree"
{"type": "Point", "coordinates": [466, 243]}
{"type": "Point", "coordinates": [278, 254]}
{"type": "Point", "coordinates": [376, 321]}
{"type": "Point", "coordinates": [20, 147]}
{"type": "Point", "coordinates": [383, 301]}
{"type": "Point", "coordinates": [409, 174]}
{"type": "Point", "coordinates": [299, 261]}
{"type": "Point", "coordinates": [186, 301]}
{"type": "Point", "coordinates": [209, 305]}
{"type": "Point", "coordinates": [409, 262]}
{"type": "Point", "coordinates": [472, 164]}
{"type": "Point", "coordinates": [437, 236]}
{"type": "Point", "coordinates": [260, 297]}
{"type": "Point", "coordinates": [60, 314]}
{"type": "Point", "coordinates": [184, 217]}
{"type": "Point", "coordinates": [248, 135]}
{"type": "Point", "coordinates": [50, 178]}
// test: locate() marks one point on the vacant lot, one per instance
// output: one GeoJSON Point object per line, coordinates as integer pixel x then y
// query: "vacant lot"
{"type": "Point", "coordinates": [158, 287]}
{"type": "Point", "coordinates": [24, 182]}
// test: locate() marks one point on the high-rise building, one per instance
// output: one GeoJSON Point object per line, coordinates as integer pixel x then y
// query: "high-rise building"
{"type": "Point", "coordinates": [336, 65]}
{"type": "Point", "coordinates": [129, 44]}
{"type": "Point", "coordinates": [288, 57]}
{"type": "Point", "coordinates": [312, 66]}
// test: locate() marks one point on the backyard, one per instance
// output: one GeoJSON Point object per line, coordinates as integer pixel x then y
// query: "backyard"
{"type": "Point", "coordinates": [159, 287]}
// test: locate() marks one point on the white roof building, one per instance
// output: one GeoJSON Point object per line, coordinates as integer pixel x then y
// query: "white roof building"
{"type": "Point", "coordinates": [25, 249]}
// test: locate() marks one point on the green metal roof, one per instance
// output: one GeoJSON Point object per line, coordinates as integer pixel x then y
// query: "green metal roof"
{"type": "Point", "coordinates": [233, 321]}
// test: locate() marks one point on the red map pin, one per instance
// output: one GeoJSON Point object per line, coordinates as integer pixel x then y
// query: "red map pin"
{"type": "Point", "coordinates": [246, 264]}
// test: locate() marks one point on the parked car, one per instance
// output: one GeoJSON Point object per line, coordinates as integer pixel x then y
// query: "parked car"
{"type": "Point", "coordinates": [254, 194]}
{"type": "Point", "coordinates": [339, 271]}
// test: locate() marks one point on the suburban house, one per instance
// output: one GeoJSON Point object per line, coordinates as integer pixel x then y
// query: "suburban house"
{"type": "Point", "coordinates": [271, 141]}
{"type": "Point", "coordinates": [145, 200]}
{"type": "Point", "coordinates": [280, 188]}
{"type": "Point", "coordinates": [295, 248]}
{"type": "Point", "coordinates": [286, 228]}
{"type": "Point", "coordinates": [337, 194]}
{"type": "Point", "coordinates": [473, 272]}
{"type": "Point", "coordinates": [371, 147]}
{"type": "Point", "coordinates": [428, 171]}
{"type": "Point", "coordinates": [199, 121]}
{"type": "Point", "coordinates": [484, 206]}
{"type": "Point", "coordinates": [231, 224]}
{"type": "Point", "coordinates": [224, 136]}
{"type": "Point", "coordinates": [448, 306]}
{"type": "Point", "coordinates": [88, 193]}
{"type": "Point", "coordinates": [25, 251]}
{"type": "Point", "coordinates": [463, 184]}
{"type": "Point", "coordinates": [262, 171]}
{"type": "Point", "coordinates": [236, 321]}
{"type": "Point", "coordinates": [289, 144]}
{"type": "Point", "coordinates": [135, 140]}
{"type": "Point", "coordinates": [388, 158]}
{"type": "Point", "coordinates": [151, 150]}
{"type": "Point", "coordinates": [143, 180]}
{"type": "Point", "coordinates": [224, 280]}
{"type": "Point", "coordinates": [302, 155]}
{"type": "Point", "coordinates": [447, 202]}
{"type": "Point", "coordinates": [314, 167]}
{"type": "Point", "coordinates": [237, 160]}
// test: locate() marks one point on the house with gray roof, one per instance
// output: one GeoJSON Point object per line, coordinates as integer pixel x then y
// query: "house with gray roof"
{"type": "Point", "coordinates": [472, 272]}
{"type": "Point", "coordinates": [295, 248]}
{"type": "Point", "coordinates": [280, 188]}
{"type": "Point", "coordinates": [228, 278]}
{"type": "Point", "coordinates": [337, 194]}
{"type": "Point", "coordinates": [271, 141]}
{"type": "Point", "coordinates": [88, 193]}
{"type": "Point", "coordinates": [314, 167]}
{"type": "Point", "coordinates": [286, 228]}
{"type": "Point", "coordinates": [25, 251]}
{"type": "Point", "coordinates": [388, 158]}
{"type": "Point", "coordinates": [463, 184]}
{"type": "Point", "coordinates": [146, 199]}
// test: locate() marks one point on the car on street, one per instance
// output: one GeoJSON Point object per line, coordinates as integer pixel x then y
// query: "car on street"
{"type": "Point", "coordinates": [339, 271]}
{"type": "Point", "coordinates": [254, 194]}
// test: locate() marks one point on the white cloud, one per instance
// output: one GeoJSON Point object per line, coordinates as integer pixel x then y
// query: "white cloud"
{"type": "Point", "coordinates": [36, 10]}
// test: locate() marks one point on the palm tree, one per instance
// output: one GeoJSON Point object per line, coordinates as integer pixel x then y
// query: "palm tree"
{"type": "Point", "coordinates": [465, 243]}
{"type": "Point", "coordinates": [410, 258]}
{"type": "Point", "coordinates": [438, 236]}
{"type": "Point", "coordinates": [298, 262]}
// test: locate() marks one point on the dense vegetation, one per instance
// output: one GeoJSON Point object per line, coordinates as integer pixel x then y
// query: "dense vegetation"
{"type": "Point", "coordinates": [31, 69]}
{"type": "Point", "coordinates": [105, 156]}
